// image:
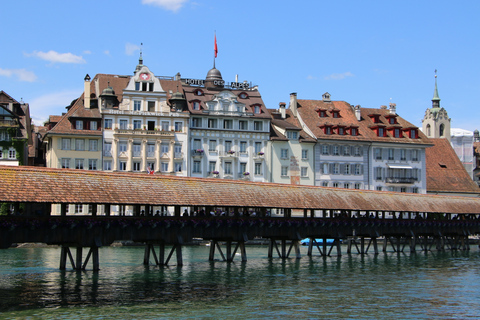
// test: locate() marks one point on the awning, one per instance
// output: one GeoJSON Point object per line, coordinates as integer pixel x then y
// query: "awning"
{"type": "Point", "coordinates": [399, 166]}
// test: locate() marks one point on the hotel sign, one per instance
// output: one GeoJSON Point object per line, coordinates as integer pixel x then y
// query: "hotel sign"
{"type": "Point", "coordinates": [233, 85]}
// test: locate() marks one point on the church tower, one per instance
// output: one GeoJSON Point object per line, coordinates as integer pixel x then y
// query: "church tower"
{"type": "Point", "coordinates": [436, 123]}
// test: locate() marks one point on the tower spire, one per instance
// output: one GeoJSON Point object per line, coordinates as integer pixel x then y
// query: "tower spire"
{"type": "Point", "coordinates": [140, 60]}
{"type": "Point", "coordinates": [436, 98]}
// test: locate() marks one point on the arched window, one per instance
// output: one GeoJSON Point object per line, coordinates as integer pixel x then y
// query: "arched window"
{"type": "Point", "coordinates": [428, 130]}
{"type": "Point", "coordinates": [442, 130]}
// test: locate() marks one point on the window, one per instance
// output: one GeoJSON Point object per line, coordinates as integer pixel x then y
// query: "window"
{"type": "Point", "coordinates": [1, 153]}
{"type": "Point", "coordinates": [93, 125]}
{"type": "Point", "coordinates": [391, 154]}
{"type": "Point", "coordinates": [357, 151]}
{"type": "Point", "coordinates": [378, 154]}
{"type": "Point", "coordinates": [123, 124]}
{"type": "Point", "coordinates": [150, 150]}
{"type": "Point", "coordinates": [227, 124]}
{"type": "Point", "coordinates": [108, 123]}
{"type": "Point", "coordinates": [391, 120]}
{"type": "Point", "coordinates": [66, 143]}
{"type": "Point", "coordinates": [78, 163]}
{"type": "Point", "coordinates": [358, 185]}
{"type": "Point", "coordinates": [354, 131]}
{"type": "Point", "coordinates": [92, 164]}
{"type": "Point", "coordinates": [164, 166]}
{"type": "Point", "coordinates": [165, 125]}
{"type": "Point", "coordinates": [403, 154]}
{"type": "Point", "coordinates": [258, 147]}
{"type": "Point", "coordinates": [381, 132]}
{"type": "Point", "coordinates": [137, 149]}
{"type": "Point", "coordinates": [243, 146]}
{"type": "Point", "coordinates": [4, 136]}
{"type": "Point", "coordinates": [228, 146]}
{"type": "Point", "coordinates": [348, 169]}
{"type": "Point", "coordinates": [325, 149]}
{"type": "Point", "coordinates": [137, 124]}
{"type": "Point", "coordinates": [212, 123]}
{"type": "Point", "coordinates": [197, 167]}
{"type": "Point", "coordinates": [178, 167]}
{"type": "Point", "coordinates": [358, 169]}
{"type": "Point", "coordinates": [379, 188]}
{"type": "Point", "coordinates": [256, 109]}
{"type": "Point", "coordinates": [164, 149]}
{"type": "Point", "coordinates": [137, 105]}
{"type": "Point", "coordinates": [396, 132]}
{"type": "Point", "coordinates": [336, 184]}
{"type": "Point", "coordinates": [304, 154]}
{"type": "Point", "coordinates": [228, 168]}
{"type": "Point", "coordinates": [122, 147]}
{"type": "Point", "coordinates": [211, 166]}
{"type": "Point", "coordinates": [304, 172]}
{"type": "Point", "coordinates": [292, 135]}
{"type": "Point", "coordinates": [258, 168]}
{"type": "Point", "coordinates": [243, 167]}
{"type": "Point", "coordinates": [136, 166]}
{"type": "Point", "coordinates": [151, 106]}
{"type": "Point", "coordinates": [284, 153]}
{"type": "Point", "coordinates": [198, 92]}
{"type": "Point", "coordinates": [346, 151]}
{"type": "Point", "coordinates": [137, 86]}
{"type": "Point", "coordinates": [197, 144]}
{"type": "Point", "coordinates": [196, 105]}
{"type": "Point", "coordinates": [151, 166]}
{"type": "Point", "coordinates": [178, 126]}
{"type": "Point", "coordinates": [336, 168]}
{"type": "Point", "coordinates": [212, 145]}
{"type": "Point", "coordinates": [93, 145]}
{"type": "Point", "coordinates": [414, 155]}
{"type": "Point", "coordinates": [328, 130]}
{"type": "Point", "coordinates": [258, 125]}
{"type": "Point", "coordinates": [196, 122]}
{"type": "Point", "coordinates": [325, 168]}
{"type": "Point", "coordinates": [284, 171]}
{"type": "Point", "coordinates": [79, 144]}
{"type": "Point", "coordinates": [79, 124]}
{"type": "Point", "coordinates": [378, 173]}
{"type": "Point", "coordinates": [341, 131]}
{"type": "Point", "coordinates": [335, 150]}
{"type": "Point", "coordinates": [442, 130]}
{"type": "Point", "coordinates": [242, 125]}
{"type": "Point", "coordinates": [12, 153]}
{"type": "Point", "coordinates": [403, 189]}
{"type": "Point", "coordinates": [178, 151]}
{"type": "Point", "coordinates": [123, 166]}
{"type": "Point", "coordinates": [107, 165]}
{"type": "Point", "coordinates": [413, 133]}
{"type": "Point", "coordinates": [325, 184]}
{"type": "Point", "coordinates": [65, 163]}
{"type": "Point", "coordinates": [346, 185]}
{"type": "Point", "coordinates": [78, 208]}
{"type": "Point", "coordinates": [414, 190]}
{"type": "Point", "coordinates": [336, 113]}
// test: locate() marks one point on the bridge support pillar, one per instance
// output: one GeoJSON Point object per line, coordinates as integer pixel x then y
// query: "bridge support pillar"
{"type": "Point", "coordinates": [78, 263]}
{"type": "Point", "coordinates": [230, 255]}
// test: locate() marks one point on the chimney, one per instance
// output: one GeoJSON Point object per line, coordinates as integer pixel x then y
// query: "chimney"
{"type": "Point", "coordinates": [393, 108]}
{"type": "Point", "coordinates": [86, 92]}
{"type": "Point", "coordinates": [293, 103]}
{"type": "Point", "coordinates": [357, 112]}
{"type": "Point", "coordinates": [178, 76]}
{"type": "Point", "coordinates": [282, 109]}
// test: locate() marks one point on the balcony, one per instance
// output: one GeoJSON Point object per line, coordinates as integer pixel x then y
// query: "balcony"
{"type": "Point", "coordinates": [178, 155]}
{"type": "Point", "coordinates": [401, 180]}
{"type": "Point", "coordinates": [144, 133]}
{"type": "Point", "coordinates": [228, 154]}
{"type": "Point", "coordinates": [197, 153]}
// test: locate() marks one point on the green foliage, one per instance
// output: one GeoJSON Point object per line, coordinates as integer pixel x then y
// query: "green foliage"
{"type": "Point", "coordinates": [18, 144]}
{"type": "Point", "coordinates": [4, 208]}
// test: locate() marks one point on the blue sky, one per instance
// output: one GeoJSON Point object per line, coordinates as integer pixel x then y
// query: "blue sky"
{"type": "Point", "coordinates": [369, 53]}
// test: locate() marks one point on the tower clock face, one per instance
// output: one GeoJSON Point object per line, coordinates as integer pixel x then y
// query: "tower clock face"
{"type": "Point", "coordinates": [144, 76]}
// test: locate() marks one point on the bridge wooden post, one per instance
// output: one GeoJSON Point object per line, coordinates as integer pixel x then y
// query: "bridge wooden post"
{"type": "Point", "coordinates": [413, 243]}
{"type": "Point", "coordinates": [161, 254]}
{"type": "Point", "coordinates": [375, 246]}
{"type": "Point", "coordinates": [78, 262]}
{"type": "Point", "coordinates": [385, 241]}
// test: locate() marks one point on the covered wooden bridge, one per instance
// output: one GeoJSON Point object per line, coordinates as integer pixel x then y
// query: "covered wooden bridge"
{"type": "Point", "coordinates": [313, 212]}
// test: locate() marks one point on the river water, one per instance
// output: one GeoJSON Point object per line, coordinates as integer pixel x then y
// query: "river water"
{"type": "Point", "coordinates": [443, 285]}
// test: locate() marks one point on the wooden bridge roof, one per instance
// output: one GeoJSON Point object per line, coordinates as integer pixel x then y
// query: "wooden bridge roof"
{"type": "Point", "coordinates": [36, 184]}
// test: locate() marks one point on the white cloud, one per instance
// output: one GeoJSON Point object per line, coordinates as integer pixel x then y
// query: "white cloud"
{"type": "Point", "coordinates": [87, 52]}
{"type": "Point", "coordinates": [51, 104]}
{"type": "Point", "coordinates": [21, 74]}
{"type": "Point", "coordinates": [131, 48]}
{"type": "Point", "coordinates": [107, 52]}
{"type": "Point", "coordinates": [339, 76]}
{"type": "Point", "coordinates": [310, 77]}
{"type": "Point", "coordinates": [172, 5]}
{"type": "Point", "coordinates": [54, 56]}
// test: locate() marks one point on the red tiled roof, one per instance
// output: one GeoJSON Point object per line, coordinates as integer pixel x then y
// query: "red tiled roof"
{"type": "Point", "coordinates": [308, 111]}
{"type": "Point", "coordinates": [46, 185]}
{"type": "Point", "coordinates": [445, 172]}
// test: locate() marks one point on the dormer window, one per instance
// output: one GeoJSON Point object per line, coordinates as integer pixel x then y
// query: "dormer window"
{"type": "Point", "coordinates": [375, 118]}
{"type": "Point", "coordinates": [243, 95]}
{"type": "Point", "coordinates": [327, 129]}
{"type": "Point", "coordinates": [396, 133]}
{"type": "Point", "coordinates": [198, 92]}
{"type": "Point", "coordinates": [292, 135]}
{"type": "Point", "coordinates": [335, 113]}
{"type": "Point", "coordinates": [412, 133]}
{"type": "Point", "coordinates": [196, 105]}
{"type": "Point", "coordinates": [79, 125]}
{"type": "Point", "coordinates": [257, 109]}
{"type": "Point", "coordinates": [340, 130]}
{"type": "Point", "coordinates": [322, 113]}
{"type": "Point", "coordinates": [353, 131]}
{"type": "Point", "coordinates": [381, 132]}
{"type": "Point", "coordinates": [392, 119]}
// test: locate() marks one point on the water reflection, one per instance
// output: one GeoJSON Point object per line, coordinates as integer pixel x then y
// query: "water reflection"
{"type": "Point", "coordinates": [400, 285]}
